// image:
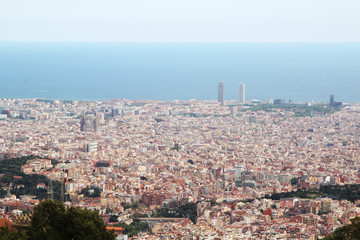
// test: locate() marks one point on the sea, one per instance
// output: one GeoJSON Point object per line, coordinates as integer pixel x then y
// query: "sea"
{"type": "Point", "coordinates": [303, 72]}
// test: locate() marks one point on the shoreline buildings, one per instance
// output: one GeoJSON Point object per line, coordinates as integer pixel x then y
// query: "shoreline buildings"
{"type": "Point", "coordinates": [241, 93]}
{"type": "Point", "coordinates": [333, 103]}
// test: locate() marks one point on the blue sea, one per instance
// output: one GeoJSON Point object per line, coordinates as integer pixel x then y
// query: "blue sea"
{"type": "Point", "coordinates": [168, 71]}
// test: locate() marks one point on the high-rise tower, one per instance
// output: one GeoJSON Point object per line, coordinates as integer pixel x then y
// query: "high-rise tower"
{"type": "Point", "coordinates": [332, 100]}
{"type": "Point", "coordinates": [242, 93]}
{"type": "Point", "coordinates": [221, 93]}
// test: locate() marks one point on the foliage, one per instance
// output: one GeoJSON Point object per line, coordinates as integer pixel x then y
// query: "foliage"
{"type": "Point", "coordinates": [7, 234]}
{"type": "Point", "coordinates": [2, 193]}
{"type": "Point", "coordinates": [299, 110]}
{"type": "Point", "coordinates": [12, 167]}
{"type": "Point", "coordinates": [54, 162]}
{"type": "Point", "coordinates": [51, 220]}
{"type": "Point", "coordinates": [348, 192]}
{"type": "Point", "coordinates": [133, 206]}
{"type": "Point", "coordinates": [294, 181]}
{"type": "Point", "coordinates": [93, 194]}
{"type": "Point", "coordinates": [188, 210]}
{"type": "Point", "coordinates": [136, 215]}
{"type": "Point", "coordinates": [300, 193]}
{"type": "Point", "coordinates": [348, 232]}
{"type": "Point", "coordinates": [135, 227]}
{"type": "Point", "coordinates": [323, 212]}
{"type": "Point", "coordinates": [247, 200]}
{"type": "Point", "coordinates": [345, 192]}
{"type": "Point", "coordinates": [113, 218]}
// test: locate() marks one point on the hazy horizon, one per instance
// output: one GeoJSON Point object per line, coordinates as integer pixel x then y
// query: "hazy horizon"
{"type": "Point", "coordinates": [168, 71]}
{"type": "Point", "coordinates": [181, 21]}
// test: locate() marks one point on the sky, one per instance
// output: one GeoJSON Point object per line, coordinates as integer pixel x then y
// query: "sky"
{"type": "Point", "coordinates": [180, 20]}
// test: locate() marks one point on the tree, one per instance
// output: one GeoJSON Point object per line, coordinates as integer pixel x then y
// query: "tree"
{"type": "Point", "coordinates": [113, 218]}
{"type": "Point", "coordinates": [137, 215]}
{"type": "Point", "coordinates": [47, 221]}
{"type": "Point", "coordinates": [188, 210]}
{"type": "Point", "coordinates": [12, 167]}
{"type": "Point", "coordinates": [348, 232]}
{"type": "Point", "coordinates": [96, 192]}
{"type": "Point", "coordinates": [135, 227]}
{"type": "Point", "coordinates": [52, 221]}
{"type": "Point", "coordinates": [7, 233]}
{"type": "Point", "coordinates": [294, 181]}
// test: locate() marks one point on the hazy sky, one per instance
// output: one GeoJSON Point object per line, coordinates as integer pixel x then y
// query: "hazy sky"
{"type": "Point", "coordinates": [180, 20]}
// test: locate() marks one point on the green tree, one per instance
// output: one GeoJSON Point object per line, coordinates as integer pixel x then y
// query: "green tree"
{"type": "Point", "coordinates": [348, 232]}
{"type": "Point", "coordinates": [188, 210]}
{"type": "Point", "coordinates": [6, 233]}
{"type": "Point", "coordinates": [135, 227]}
{"type": "Point", "coordinates": [97, 192]}
{"type": "Point", "coordinates": [294, 181]}
{"type": "Point", "coordinates": [12, 167]}
{"type": "Point", "coordinates": [113, 218]}
{"type": "Point", "coordinates": [86, 191]}
{"type": "Point", "coordinates": [52, 221]}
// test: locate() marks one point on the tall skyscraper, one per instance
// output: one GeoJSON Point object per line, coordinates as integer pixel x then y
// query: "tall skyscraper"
{"type": "Point", "coordinates": [332, 100]}
{"type": "Point", "coordinates": [242, 93]}
{"type": "Point", "coordinates": [221, 93]}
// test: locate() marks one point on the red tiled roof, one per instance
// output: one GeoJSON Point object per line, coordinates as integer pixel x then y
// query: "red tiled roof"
{"type": "Point", "coordinates": [115, 228]}
{"type": "Point", "coordinates": [4, 222]}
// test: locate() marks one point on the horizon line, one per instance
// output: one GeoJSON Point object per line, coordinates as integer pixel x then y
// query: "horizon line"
{"type": "Point", "coordinates": [114, 41]}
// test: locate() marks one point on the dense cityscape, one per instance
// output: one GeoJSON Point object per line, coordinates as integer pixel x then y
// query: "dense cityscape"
{"type": "Point", "coordinates": [186, 169]}
{"type": "Point", "coordinates": [180, 120]}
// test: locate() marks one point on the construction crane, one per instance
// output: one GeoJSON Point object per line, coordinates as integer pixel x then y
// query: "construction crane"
{"type": "Point", "coordinates": [50, 190]}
